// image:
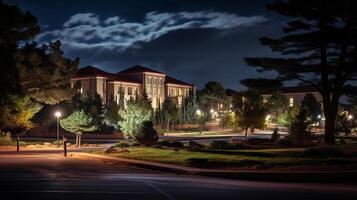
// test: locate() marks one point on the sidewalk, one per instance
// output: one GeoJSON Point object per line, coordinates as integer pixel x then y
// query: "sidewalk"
{"type": "Point", "coordinates": [282, 176]}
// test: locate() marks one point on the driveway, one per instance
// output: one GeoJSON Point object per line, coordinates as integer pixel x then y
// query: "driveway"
{"type": "Point", "coordinates": [48, 175]}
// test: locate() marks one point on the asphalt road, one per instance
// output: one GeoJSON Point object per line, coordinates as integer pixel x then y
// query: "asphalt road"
{"type": "Point", "coordinates": [41, 175]}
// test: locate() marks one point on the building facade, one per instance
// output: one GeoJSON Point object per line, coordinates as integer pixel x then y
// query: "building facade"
{"type": "Point", "coordinates": [295, 94]}
{"type": "Point", "coordinates": [130, 83]}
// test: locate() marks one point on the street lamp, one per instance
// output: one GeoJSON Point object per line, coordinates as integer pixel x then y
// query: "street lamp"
{"type": "Point", "coordinates": [198, 112]}
{"type": "Point", "coordinates": [58, 114]}
{"type": "Point", "coordinates": [350, 117]}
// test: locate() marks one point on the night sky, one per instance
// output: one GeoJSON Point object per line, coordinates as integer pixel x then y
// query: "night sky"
{"type": "Point", "coordinates": [194, 40]}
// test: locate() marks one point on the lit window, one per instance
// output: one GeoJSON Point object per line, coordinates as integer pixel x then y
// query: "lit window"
{"type": "Point", "coordinates": [150, 80]}
{"type": "Point", "coordinates": [291, 102]}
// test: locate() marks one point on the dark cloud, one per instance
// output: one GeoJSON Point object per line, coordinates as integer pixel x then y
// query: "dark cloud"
{"type": "Point", "coordinates": [88, 31]}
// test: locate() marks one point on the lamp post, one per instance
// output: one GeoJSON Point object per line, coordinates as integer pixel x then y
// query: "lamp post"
{"type": "Point", "coordinates": [58, 114]}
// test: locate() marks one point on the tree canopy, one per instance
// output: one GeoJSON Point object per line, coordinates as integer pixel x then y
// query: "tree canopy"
{"type": "Point", "coordinates": [15, 26]}
{"type": "Point", "coordinates": [211, 95]}
{"type": "Point", "coordinates": [137, 111]}
{"type": "Point", "coordinates": [16, 117]}
{"type": "Point", "coordinates": [250, 110]}
{"type": "Point", "coordinates": [45, 73]}
{"type": "Point", "coordinates": [261, 84]}
{"type": "Point", "coordinates": [312, 107]}
{"type": "Point", "coordinates": [78, 123]}
{"type": "Point", "coordinates": [277, 103]}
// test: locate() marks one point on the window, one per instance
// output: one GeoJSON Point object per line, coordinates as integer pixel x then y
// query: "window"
{"type": "Point", "coordinates": [171, 92]}
{"type": "Point", "coordinates": [265, 100]}
{"type": "Point", "coordinates": [291, 102]}
{"type": "Point", "coordinates": [130, 91]}
{"type": "Point", "coordinates": [178, 92]}
{"type": "Point", "coordinates": [135, 91]}
{"type": "Point", "coordinates": [155, 81]}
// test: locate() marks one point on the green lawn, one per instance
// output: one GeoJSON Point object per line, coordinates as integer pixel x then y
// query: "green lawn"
{"type": "Point", "coordinates": [236, 158]}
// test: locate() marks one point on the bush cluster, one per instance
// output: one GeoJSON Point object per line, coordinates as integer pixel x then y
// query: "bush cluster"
{"type": "Point", "coordinates": [224, 145]}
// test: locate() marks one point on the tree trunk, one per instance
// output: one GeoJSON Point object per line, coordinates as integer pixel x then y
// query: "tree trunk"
{"type": "Point", "coordinates": [330, 126]}
{"type": "Point", "coordinates": [76, 140]}
{"type": "Point", "coordinates": [79, 140]}
{"type": "Point", "coordinates": [330, 111]}
{"type": "Point", "coordinates": [245, 134]}
{"type": "Point", "coordinates": [168, 125]}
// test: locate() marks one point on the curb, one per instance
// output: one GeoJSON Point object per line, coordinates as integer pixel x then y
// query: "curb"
{"type": "Point", "coordinates": [275, 176]}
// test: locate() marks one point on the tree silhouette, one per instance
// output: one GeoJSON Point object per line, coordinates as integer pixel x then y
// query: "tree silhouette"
{"type": "Point", "coordinates": [15, 26]}
{"type": "Point", "coordinates": [318, 48]}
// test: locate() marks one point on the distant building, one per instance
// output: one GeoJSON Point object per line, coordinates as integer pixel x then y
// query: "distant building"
{"type": "Point", "coordinates": [131, 81]}
{"type": "Point", "coordinates": [294, 94]}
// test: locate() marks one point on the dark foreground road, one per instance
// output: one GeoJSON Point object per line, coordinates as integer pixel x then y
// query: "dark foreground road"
{"type": "Point", "coordinates": [40, 175]}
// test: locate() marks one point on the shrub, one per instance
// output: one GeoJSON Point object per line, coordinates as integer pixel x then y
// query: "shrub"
{"type": "Point", "coordinates": [298, 133]}
{"type": "Point", "coordinates": [227, 145]}
{"type": "Point", "coordinates": [323, 151]}
{"type": "Point", "coordinates": [5, 139]}
{"type": "Point", "coordinates": [218, 144]}
{"type": "Point", "coordinates": [122, 145]}
{"type": "Point", "coordinates": [146, 135]}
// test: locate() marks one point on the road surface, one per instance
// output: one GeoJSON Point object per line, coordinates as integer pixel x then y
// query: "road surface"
{"type": "Point", "coordinates": [47, 175]}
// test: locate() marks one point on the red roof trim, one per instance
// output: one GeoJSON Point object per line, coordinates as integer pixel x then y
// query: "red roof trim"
{"type": "Point", "coordinates": [138, 69]}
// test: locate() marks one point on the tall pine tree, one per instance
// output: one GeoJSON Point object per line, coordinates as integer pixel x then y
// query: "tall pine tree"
{"type": "Point", "coordinates": [318, 48]}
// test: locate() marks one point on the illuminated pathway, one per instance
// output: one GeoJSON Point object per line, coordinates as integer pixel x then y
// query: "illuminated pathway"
{"type": "Point", "coordinates": [48, 175]}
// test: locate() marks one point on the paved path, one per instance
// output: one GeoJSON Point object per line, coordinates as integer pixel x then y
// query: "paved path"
{"type": "Point", "coordinates": [47, 175]}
